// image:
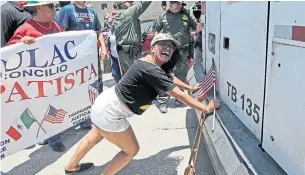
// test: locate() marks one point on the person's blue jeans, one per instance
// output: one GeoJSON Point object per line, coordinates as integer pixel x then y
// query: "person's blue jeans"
{"type": "Point", "coordinates": [86, 124]}
{"type": "Point", "coordinates": [100, 77]}
{"type": "Point", "coordinates": [198, 67]}
{"type": "Point", "coordinates": [52, 140]}
{"type": "Point", "coordinates": [115, 69]}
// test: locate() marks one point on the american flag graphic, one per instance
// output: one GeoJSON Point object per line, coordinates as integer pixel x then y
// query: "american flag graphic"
{"type": "Point", "coordinates": [93, 91]}
{"type": "Point", "coordinates": [55, 115]}
{"type": "Point", "coordinates": [208, 82]}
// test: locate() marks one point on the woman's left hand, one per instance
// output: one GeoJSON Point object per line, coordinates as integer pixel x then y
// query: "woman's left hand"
{"type": "Point", "coordinates": [195, 88]}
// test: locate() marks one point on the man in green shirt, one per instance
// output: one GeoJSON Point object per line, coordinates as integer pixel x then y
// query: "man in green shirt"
{"type": "Point", "coordinates": [177, 21]}
{"type": "Point", "coordinates": [127, 30]}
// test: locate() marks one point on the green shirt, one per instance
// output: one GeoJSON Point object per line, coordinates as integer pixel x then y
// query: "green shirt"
{"type": "Point", "coordinates": [126, 25]}
{"type": "Point", "coordinates": [177, 24]}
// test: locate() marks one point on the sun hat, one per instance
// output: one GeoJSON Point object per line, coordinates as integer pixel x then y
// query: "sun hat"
{"type": "Point", "coordinates": [37, 3]}
{"type": "Point", "coordinates": [182, 2]}
{"type": "Point", "coordinates": [165, 37]}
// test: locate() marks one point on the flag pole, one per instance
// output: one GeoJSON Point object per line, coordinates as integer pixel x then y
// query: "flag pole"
{"type": "Point", "coordinates": [42, 122]}
{"type": "Point", "coordinates": [214, 113]}
{"type": "Point", "coordinates": [36, 120]}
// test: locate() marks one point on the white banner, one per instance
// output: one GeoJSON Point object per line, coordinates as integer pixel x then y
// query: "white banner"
{"type": "Point", "coordinates": [46, 87]}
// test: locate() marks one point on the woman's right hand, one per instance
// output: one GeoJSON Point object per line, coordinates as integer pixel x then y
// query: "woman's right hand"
{"type": "Point", "coordinates": [210, 107]}
{"type": "Point", "coordinates": [213, 104]}
{"type": "Point", "coordinates": [27, 40]}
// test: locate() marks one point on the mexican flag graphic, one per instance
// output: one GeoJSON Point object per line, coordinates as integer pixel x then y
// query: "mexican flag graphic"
{"type": "Point", "coordinates": [21, 124]}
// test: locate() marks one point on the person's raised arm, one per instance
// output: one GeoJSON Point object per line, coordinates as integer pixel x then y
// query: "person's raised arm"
{"type": "Point", "coordinates": [137, 9]}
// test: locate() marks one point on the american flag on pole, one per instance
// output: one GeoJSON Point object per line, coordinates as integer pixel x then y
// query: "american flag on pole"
{"type": "Point", "coordinates": [208, 82]}
{"type": "Point", "coordinates": [55, 115]}
{"type": "Point", "coordinates": [93, 91]}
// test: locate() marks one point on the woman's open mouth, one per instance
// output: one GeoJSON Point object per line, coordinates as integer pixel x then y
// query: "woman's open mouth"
{"type": "Point", "coordinates": [165, 54]}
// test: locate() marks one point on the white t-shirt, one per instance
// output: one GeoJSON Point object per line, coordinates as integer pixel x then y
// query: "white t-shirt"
{"type": "Point", "coordinates": [112, 41]}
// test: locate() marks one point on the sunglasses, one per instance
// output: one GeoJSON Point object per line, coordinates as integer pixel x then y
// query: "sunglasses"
{"type": "Point", "coordinates": [166, 45]}
{"type": "Point", "coordinates": [128, 2]}
{"type": "Point", "coordinates": [51, 6]}
{"type": "Point", "coordinates": [174, 2]}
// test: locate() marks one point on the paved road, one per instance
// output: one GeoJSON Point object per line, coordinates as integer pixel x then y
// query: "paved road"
{"type": "Point", "coordinates": [164, 140]}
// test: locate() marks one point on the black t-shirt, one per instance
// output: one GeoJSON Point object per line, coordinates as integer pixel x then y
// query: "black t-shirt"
{"type": "Point", "coordinates": [141, 84]}
{"type": "Point", "coordinates": [11, 18]}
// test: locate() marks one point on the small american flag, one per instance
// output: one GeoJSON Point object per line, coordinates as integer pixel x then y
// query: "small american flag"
{"type": "Point", "coordinates": [55, 115]}
{"type": "Point", "coordinates": [93, 91]}
{"type": "Point", "coordinates": [208, 82]}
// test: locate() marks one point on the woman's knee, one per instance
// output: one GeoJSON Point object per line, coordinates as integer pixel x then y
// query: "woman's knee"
{"type": "Point", "coordinates": [94, 136]}
{"type": "Point", "coordinates": [133, 151]}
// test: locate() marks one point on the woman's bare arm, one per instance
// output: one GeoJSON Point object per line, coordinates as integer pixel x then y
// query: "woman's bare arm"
{"type": "Point", "coordinates": [190, 101]}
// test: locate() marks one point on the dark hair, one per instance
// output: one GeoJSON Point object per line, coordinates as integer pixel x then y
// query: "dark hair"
{"type": "Point", "coordinates": [115, 5]}
{"type": "Point", "coordinates": [197, 10]}
{"type": "Point", "coordinates": [170, 65]}
{"type": "Point", "coordinates": [64, 3]}
{"type": "Point", "coordinates": [120, 5]}
{"type": "Point", "coordinates": [31, 10]}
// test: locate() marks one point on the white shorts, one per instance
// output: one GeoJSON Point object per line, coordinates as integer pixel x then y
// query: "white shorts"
{"type": "Point", "coordinates": [108, 112]}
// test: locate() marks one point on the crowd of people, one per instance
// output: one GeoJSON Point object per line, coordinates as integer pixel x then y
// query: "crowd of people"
{"type": "Point", "coordinates": [158, 75]}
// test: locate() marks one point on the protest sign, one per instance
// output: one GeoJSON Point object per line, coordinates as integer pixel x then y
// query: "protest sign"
{"type": "Point", "coordinates": [46, 87]}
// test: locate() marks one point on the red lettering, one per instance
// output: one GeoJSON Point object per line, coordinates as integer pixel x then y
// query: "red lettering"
{"type": "Point", "coordinates": [92, 72]}
{"type": "Point", "coordinates": [2, 89]}
{"type": "Point", "coordinates": [82, 74]}
{"type": "Point", "coordinates": [59, 91]}
{"type": "Point", "coordinates": [69, 81]}
{"type": "Point", "coordinates": [19, 91]}
{"type": "Point", "coordinates": [40, 87]}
